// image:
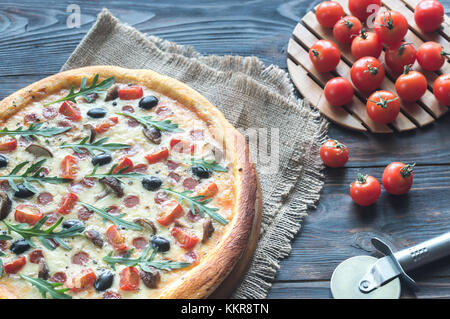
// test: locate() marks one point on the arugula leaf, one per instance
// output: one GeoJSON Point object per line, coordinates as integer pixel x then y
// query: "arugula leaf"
{"type": "Point", "coordinates": [34, 130]}
{"type": "Point", "coordinates": [209, 165]}
{"type": "Point", "coordinates": [49, 288]}
{"type": "Point", "coordinates": [117, 220]}
{"type": "Point", "coordinates": [119, 174]}
{"type": "Point", "coordinates": [5, 237]}
{"type": "Point", "coordinates": [99, 145]}
{"type": "Point", "coordinates": [147, 121]}
{"type": "Point", "coordinates": [85, 91]}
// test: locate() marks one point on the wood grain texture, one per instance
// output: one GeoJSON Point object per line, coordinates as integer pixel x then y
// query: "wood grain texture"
{"type": "Point", "coordinates": [35, 42]}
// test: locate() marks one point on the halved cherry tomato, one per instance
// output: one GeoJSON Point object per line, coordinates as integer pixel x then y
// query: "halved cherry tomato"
{"type": "Point", "coordinates": [131, 93]}
{"type": "Point", "coordinates": [346, 29]}
{"type": "Point", "coordinates": [158, 156]}
{"type": "Point", "coordinates": [441, 89]}
{"type": "Point", "coordinates": [124, 162]}
{"type": "Point", "coordinates": [398, 178]}
{"type": "Point", "coordinates": [431, 56]}
{"type": "Point", "coordinates": [411, 85]}
{"type": "Point", "coordinates": [68, 203]}
{"type": "Point", "coordinates": [208, 191]}
{"type": "Point", "coordinates": [106, 125]}
{"type": "Point", "coordinates": [328, 13]}
{"type": "Point", "coordinates": [69, 167]}
{"type": "Point", "coordinates": [8, 144]}
{"type": "Point", "coordinates": [170, 210]}
{"type": "Point", "coordinates": [83, 281]}
{"type": "Point", "coordinates": [184, 238]}
{"type": "Point", "coordinates": [129, 279]}
{"type": "Point", "coordinates": [29, 214]}
{"type": "Point", "coordinates": [182, 146]}
{"type": "Point", "coordinates": [383, 106]}
{"type": "Point", "coordinates": [324, 55]}
{"type": "Point", "coordinates": [362, 9]}
{"type": "Point", "coordinates": [400, 55]}
{"type": "Point", "coordinates": [391, 27]}
{"type": "Point", "coordinates": [338, 91]}
{"type": "Point", "coordinates": [367, 74]}
{"type": "Point", "coordinates": [365, 190]}
{"type": "Point", "coordinates": [70, 111]}
{"type": "Point", "coordinates": [429, 15]}
{"type": "Point", "coordinates": [333, 153]}
{"type": "Point", "coordinates": [115, 238]}
{"type": "Point", "coordinates": [366, 44]}
{"type": "Point", "coordinates": [14, 266]}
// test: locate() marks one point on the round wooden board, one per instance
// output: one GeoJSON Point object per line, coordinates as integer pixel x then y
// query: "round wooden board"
{"type": "Point", "coordinates": [310, 82]}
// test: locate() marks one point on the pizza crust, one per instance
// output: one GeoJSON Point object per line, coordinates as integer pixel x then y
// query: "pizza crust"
{"type": "Point", "coordinates": [203, 279]}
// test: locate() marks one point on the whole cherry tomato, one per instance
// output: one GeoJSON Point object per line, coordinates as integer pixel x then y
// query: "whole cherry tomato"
{"type": "Point", "coordinates": [441, 89]}
{"type": "Point", "coordinates": [399, 55]}
{"type": "Point", "coordinates": [391, 27]}
{"type": "Point", "coordinates": [431, 56]}
{"type": "Point", "coordinates": [338, 91]}
{"type": "Point", "coordinates": [324, 55]}
{"type": "Point", "coordinates": [366, 44]}
{"type": "Point", "coordinates": [362, 9]}
{"type": "Point", "coordinates": [367, 74]}
{"type": "Point", "coordinates": [365, 190]}
{"type": "Point", "coordinates": [346, 29]}
{"type": "Point", "coordinates": [328, 13]}
{"type": "Point", "coordinates": [411, 85]}
{"type": "Point", "coordinates": [333, 153]}
{"type": "Point", "coordinates": [383, 107]}
{"type": "Point", "coordinates": [398, 178]}
{"type": "Point", "coordinates": [429, 15]}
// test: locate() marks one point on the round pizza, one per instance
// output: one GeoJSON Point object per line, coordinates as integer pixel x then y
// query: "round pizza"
{"type": "Point", "coordinates": [118, 183]}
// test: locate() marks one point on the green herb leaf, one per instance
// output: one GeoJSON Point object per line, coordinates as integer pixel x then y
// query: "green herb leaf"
{"type": "Point", "coordinates": [115, 219]}
{"type": "Point", "coordinates": [1, 266]}
{"type": "Point", "coordinates": [49, 288]}
{"type": "Point", "coordinates": [5, 237]}
{"type": "Point", "coordinates": [99, 145]}
{"type": "Point", "coordinates": [34, 130]}
{"type": "Point", "coordinates": [119, 174]}
{"type": "Point", "coordinates": [147, 121]}
{"type": "Point", "coordinates": [209, 165]}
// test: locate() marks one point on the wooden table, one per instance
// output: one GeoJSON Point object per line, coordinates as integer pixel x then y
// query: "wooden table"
{"type": "Point", "coordinates": [35, 41]}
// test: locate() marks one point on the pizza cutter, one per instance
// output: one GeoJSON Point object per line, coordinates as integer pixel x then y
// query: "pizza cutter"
{"type": "Point", "coordinates": [367, 277]}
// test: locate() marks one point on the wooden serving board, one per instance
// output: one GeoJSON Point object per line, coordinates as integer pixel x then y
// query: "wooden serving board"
{"type": "Point", "coordinates": [310, 82]}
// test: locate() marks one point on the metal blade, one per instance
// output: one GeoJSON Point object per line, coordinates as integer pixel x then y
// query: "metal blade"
{"type": "Point", "coordinates": [380, 273]}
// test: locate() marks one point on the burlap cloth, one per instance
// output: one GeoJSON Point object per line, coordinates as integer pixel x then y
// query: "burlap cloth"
{"type": "Point", "coordinates": [252, 97]}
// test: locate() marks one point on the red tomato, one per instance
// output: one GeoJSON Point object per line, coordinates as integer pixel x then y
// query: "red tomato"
{"type": "Point", "coordinates": [400, 55]}
{"type": "Point", "coordinates": [441, 89]}
{"type": "Point", "coordinates": [69, 167]}
{"type": "Point", "coordinates": [398, 178]}
{"type": "Point", "coordinates": [67, 203]}
{"type": "Point", "coordinates": [124, 162]}
{"type": "Point", "coordinates": [70, 111]}
{"type": "Point", "coordinates": [182, 146]}
{"type": "Point", "coordinates": [411, 85]}
{"type": "Point", "coordinates": [208, 191]}
{"type": "Point", "coordinates": [429, 15]}
{"type": "Point", "coordinates": [83, 281]}
{"type": "Point", "coordinates": [383, 107]}
{"type": "Point", "coordinates": [131, 93]}
{"type": "Point", "coordinates": [184, 238]}
{"type": "Point", "coordinates": [29, 214]}
{"type": "Point", "coordinates": [391, 27]}
{"type": "Point", "coordinates": [362, 9]}
{"type": "Point", "coordinates": [170, 211]}
{"type": "Point", "coordinates": [8, 144]}
{"type": "Point", "coordinates": [324, 55]}
{"type": "Point", "coordinates": [115, 238]}
{"type": "Point", "coordinates": [346, 29]}
{"type": "Point", "coordinates": [366, 44]}
{"type": "Point", "coordinates": [367, 74]}
{"type": "Point", "coordinates": [328, 13]}
{"type": "Point", "coordinates": [431, 56]}
{"type": "Point", "coordinates": [338, 91]}
{"type": "Point", "coordinates": [14, 266]}
{"type": "Point", "coordinates": [333, 153]}
{"type": "Point", "coordinates": [365, 190]}
{"type": "Point", "coordinates": [129, 279]}
{"type": "Point", "coordinates": [106, 125]}
{"type": "Point", "coordinates": [158, 156]}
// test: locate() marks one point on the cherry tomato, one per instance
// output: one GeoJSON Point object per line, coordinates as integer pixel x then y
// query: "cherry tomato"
{"type": "Point", "coordinates": [367, 74]}
{"type": "Point", "coordinates": [29, 214]}
{"type": "Point", "coordinates": [83, 281]}
{"type": "Point", "coordinates": [106, 125]}
{"type": "Point", "coordinates": [169, 211]}
{"type": "Point", "coordinates": [391, 27]}
{"type": "Point", "coordinates": [362, 9]}
{"type": "Point", "coordinates": [8, 144]}
{"type": "Point", "coordinates": [429, 15]}
{"type": "Point", "coordinates": [346, 29]}
{"type": "Point", "coordinates": [383, 107]}
{"type": "Point", "coordinates": [366, 44]}
{"type": "Point", "coordinates": [431, 56]}
{"type": "Point", "coordinates": [129, 279]}
{"type": "Point", "coordinates": [182, 146]}
{"type": "Point", "coordinates": [333, 153]}
{"type": "Point", "coordinates": [69, 167]}
{"type": "Point", "coordinates": [325, 55]}
{"type": "Point", "coordinates": [67, 203]}
{"type": "Point", "coordinates": [208, 191]}
{"type": "Point", "coordinates": [441, 89]}
{"type": "Point", "coordinates": [328, 13]}
{"type": "Point", "coordinates": [131, 93]}
{"type": "Point", "coordinates": [158, 156]}
{"type": "Point", "coordinates": [411, 85]}
{"type": "Point", "coordinates": [365, 190]}
{"type": "Point", "coordinates": [14, 266]}
{"type": "Point", "coordinates": [70, 111]}
{"type": "Point", "coordinates": [115, 238]}
{"type": "Point", "coordinates": [398, 178]}
{"type": "Point", "coordinates": [125, 165]}
{"type": "Point", "coordinates": [185, 239]}
{"type": "Point", "coordinates": [399, 55]}
{"type": "Point", "coordinates": [338, 91]}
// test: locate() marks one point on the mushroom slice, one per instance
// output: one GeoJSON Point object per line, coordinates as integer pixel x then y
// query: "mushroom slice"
{"type": "Point", "coordinates": [150, 277]}
{"type": "Point", "coordinates": [208, 229]}
{"type": "Point", "coordinates": [113, 184]}
{"type": "Point", "coordinates": [147, 224]}
{"type": "Point", "coordinates": [5, 205]}
{"type": "Point", "coordinates": [152, 134]}
{"type": "Point", "coordinates": [43, 270]}
{"type": "Point", "coordinates": [93, 132]}
{"type": "Point", "coordinates": [39, 150]}
{"type": "Point", "coordinates": [94, 236]}
{"type": "Point", "coordinates": [112, 93]}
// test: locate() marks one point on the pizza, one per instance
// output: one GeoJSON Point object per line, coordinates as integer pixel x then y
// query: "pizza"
{"type": "Point", "coordinates": [118, 183]}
